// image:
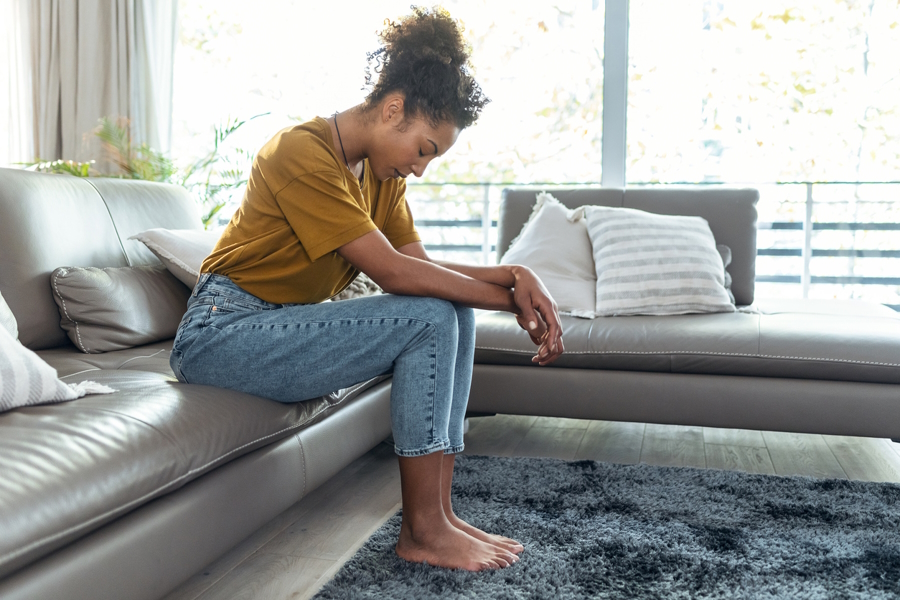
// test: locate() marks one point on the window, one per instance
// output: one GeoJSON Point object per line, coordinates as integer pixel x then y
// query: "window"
{"type": "Point", "coordinates": [764, 91]}
{"type": "Point", "coordinates": [540, 63]}
{"type": "Point", "coordinates": [792, 98]}
{"type": "Point", "coordinates": [758, 93]}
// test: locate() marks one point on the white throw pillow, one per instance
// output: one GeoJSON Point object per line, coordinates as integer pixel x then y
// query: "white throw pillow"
{"type": "Point", "coordinates": [8, 319]}
{"type": "Point", "coordinates": [649, 264]}
{"type": "Point", "coordinates": [26, 380]}
{"type": "Point", "coordinates": [554, 244]}
{"type": "Point", "coordinates": [181, 250]}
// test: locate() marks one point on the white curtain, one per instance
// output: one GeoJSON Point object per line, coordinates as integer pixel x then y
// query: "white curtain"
{"type": "Point", "coordinates": [16, 114]}
{"type": "Point", "coordinates": [88, 59]}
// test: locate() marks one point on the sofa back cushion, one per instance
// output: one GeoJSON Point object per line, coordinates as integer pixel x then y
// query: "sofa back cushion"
{"type": "Point", "coordinates": [138, 206]}
{"type": "Point", "coordinates": [50, 221]}
{"type": "Point", "coordinates": [731, 214]}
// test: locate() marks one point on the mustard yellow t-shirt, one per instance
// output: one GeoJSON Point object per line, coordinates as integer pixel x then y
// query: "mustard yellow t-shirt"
{"type": "Point", "coordinates": [302, 203]}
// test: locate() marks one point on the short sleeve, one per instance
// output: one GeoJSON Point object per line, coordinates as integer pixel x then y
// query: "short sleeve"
{"type": "Point", "coordinates": [399, 228]}
{"type": "Point", "coordinates": [322, 212]}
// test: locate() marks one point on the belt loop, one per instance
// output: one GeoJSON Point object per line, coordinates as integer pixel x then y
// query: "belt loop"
{"type": "Point", "coordinates": [202, 279]}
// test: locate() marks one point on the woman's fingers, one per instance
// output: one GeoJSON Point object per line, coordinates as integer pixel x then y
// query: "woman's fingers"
{"type": "Point", "coordinates": [532, 322]}
{"type": "Point", "coordinates": [539, 316]}
{"type": "Point", "coordinates": [551, 346]}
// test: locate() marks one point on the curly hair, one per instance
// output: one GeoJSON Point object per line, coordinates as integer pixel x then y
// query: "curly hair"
{"type": "Point", "coordinates": [425, 57]}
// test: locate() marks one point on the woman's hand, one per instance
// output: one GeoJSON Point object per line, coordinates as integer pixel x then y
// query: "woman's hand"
{"type": "Point", "coordinates": [538, 315]}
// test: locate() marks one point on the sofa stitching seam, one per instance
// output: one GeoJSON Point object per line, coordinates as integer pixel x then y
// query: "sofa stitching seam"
{"type": "Point", "coordinates": [171, 485]}
{"type": "Point", "coordinates": [66, 310]}
{"type": "Point", "coordinates": [138, 358]}
{"type": "Point", "coordinates": [113, 222]}
{"type": "Point", "coordinates": [303, 463]}
{"type": "Point", "coordinates": [704, 352]}
{"type": "Point", "coordinates": [80, 372]}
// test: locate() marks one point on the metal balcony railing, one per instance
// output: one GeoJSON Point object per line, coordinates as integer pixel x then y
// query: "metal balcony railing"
{"type": "Point", "coordinates": [797, 225]}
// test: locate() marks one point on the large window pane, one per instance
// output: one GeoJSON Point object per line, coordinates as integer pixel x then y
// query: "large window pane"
{"type": "Point", "coordinates": [540, 63]}
{"type": "Point", "coordinates": [729, 90]}
{"type": "Point", "coordinates": [780, 91]}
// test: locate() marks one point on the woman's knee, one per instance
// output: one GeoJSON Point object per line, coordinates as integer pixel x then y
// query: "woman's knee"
{"type": "Point", "coordinates": [465, 317]}
{"type": "Point", "coordinates": [440, 313]}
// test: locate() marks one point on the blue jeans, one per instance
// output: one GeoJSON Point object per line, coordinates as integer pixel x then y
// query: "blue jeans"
{"type": "Point", "coordinates": [292, 352]}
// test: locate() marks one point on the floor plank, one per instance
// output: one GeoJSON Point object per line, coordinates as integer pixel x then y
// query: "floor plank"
{"type": "Point", "coordinates": [335, 520]}
{"type": "Point", "coordinates": [498, 435]}
{"type": "Point", "coordinates": [673, 446]}
{"type": "Point", "coordinates": [270, 576]}
{"type": "Point", "coordinates": [561, 422]}
{"type": "Point", "coordinates": [208, 576]}
{"type": "Point", "coordinates": [551, 442]}
{"type": "Point", "coordinates": [802, 454]}
{"type": "Point", "coordinates": [749, 459]}
{"type": "Point", "coordinates": [350, 551]}
{"type": "Point", "coordinates": [614, 442]}
{"type": "Point", "coordinates": [733, 437]}
{"type": "Point", "coordinates": [895, 446]}
{"type": "Point", "coordinates": [865, 459]}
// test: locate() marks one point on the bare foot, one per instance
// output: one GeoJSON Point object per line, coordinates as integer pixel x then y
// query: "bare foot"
{"type": "Point", "coordinates": [508, 544]}
{"type": "Point", "coordinates": [448, 547]}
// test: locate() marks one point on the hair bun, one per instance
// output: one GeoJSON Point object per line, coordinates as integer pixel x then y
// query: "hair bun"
{"type": "Point", "coordinates": [425, 57]}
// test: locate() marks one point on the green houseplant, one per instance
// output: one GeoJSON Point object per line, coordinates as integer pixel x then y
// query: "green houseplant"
{"type": "Point", "coordinates": [207, 179]}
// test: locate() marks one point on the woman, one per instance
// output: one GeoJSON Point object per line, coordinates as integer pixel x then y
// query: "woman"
{"type": "Point", "coordinates": [325, 201]}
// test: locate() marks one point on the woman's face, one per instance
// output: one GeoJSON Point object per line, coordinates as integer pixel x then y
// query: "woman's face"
{"type": "Point", "coordinates": [406, 147]}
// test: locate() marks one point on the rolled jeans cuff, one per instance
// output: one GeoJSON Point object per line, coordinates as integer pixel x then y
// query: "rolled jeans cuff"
{"type": "Point", "coordinates": [455, 449]}
{"type": "Point", "coordinates": [436, 447]}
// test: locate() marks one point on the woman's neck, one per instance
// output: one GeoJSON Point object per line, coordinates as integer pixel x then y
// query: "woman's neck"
{"type": "Point", "coordinates": [349, 135]}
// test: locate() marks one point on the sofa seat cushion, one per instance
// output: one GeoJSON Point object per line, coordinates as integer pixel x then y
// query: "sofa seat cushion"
{"type": "Point", "coordinates": [70, 468]}
{"type": "Point", "coordinates": [841, 341]}
{"type": "Point", "coordinates": [153, 358]}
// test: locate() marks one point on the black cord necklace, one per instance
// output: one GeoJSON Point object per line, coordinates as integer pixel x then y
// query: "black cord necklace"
{"type": "Point", "coordinates": [336, 128]}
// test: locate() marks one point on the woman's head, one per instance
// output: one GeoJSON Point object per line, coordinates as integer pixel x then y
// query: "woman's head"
{"type": "Point", "coordinates": [425, 59]}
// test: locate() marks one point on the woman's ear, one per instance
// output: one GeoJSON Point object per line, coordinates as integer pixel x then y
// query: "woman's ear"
{"type": "Point", "coordinates": [392, 109]}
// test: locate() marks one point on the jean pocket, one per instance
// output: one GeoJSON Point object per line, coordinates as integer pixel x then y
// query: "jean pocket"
{"type": "Point", "coordinates": [175, 359]}
{"type": "Point", "coordinates": [183, 333]}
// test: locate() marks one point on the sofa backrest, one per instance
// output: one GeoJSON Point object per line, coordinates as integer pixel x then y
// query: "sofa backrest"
{"type": "Point", "coordinates": [49, 221]}
{"type": "Point", "coordinates": [731, 214]}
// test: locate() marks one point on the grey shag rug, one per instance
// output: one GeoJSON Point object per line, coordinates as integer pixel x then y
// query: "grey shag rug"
{"type": "Point", "coordinates": [598, 530]}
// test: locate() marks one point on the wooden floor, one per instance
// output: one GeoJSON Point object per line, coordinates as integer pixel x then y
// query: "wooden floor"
{"type": "Point", "coordinates": [298, 551]}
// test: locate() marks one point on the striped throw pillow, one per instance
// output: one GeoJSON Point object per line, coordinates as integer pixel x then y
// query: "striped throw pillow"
{"type": "Point", "coordinates": [25, 379]}
{"type": "Point", "coordinates": [8, 319]}
{"type": "Point", "coordinates": [649, 264]}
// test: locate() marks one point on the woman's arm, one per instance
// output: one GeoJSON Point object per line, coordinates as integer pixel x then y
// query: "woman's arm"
{"type": "Point", "coordinates": [524, 282]}
{"type": "Point", "coordinates": [407, 275]}
{"type": "Point", "coordinates": [409, 272]}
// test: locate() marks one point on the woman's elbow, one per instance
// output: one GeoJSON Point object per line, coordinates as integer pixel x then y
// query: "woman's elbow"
{"type": "Point", "coordinates": [390, 282]}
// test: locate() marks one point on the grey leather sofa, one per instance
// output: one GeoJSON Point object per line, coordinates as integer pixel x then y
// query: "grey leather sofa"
{"type": "Point", "coordinates": [127, 495]}
{"type": "Point", "coordinates": [830, 367]}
